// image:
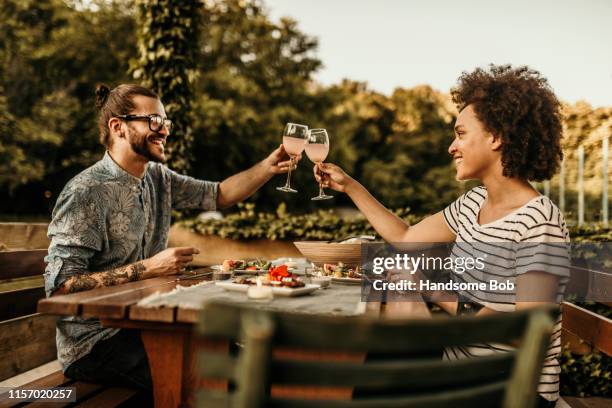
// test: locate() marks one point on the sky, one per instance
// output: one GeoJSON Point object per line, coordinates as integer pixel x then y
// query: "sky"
{"type": "Point", "coordinates": [403, 43]}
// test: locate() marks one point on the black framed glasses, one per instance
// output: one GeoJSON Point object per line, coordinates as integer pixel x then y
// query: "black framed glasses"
{"type": "Point", "coordinates": [156, 122]}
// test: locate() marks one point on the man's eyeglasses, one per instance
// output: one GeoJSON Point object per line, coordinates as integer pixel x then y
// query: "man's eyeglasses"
{"type": "Point", "coordinates": [156, 122]}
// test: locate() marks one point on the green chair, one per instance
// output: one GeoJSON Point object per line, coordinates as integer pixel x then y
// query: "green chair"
{"type": "Point", "coordinates": [501, 380]}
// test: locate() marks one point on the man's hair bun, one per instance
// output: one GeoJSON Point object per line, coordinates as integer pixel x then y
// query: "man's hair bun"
{"type": "Point", "coordinates": [102, 92]}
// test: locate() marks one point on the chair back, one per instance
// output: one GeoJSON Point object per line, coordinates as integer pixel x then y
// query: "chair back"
{"type": "Point", "coordinates": [269, 368]}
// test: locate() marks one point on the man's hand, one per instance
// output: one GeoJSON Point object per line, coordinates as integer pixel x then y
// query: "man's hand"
{"type": "Point", "coordinates": [278, 161]}
{"type": "Point", "coordinates": [169, 261]}
{"type": "Point", "coordinates": [332, 176]}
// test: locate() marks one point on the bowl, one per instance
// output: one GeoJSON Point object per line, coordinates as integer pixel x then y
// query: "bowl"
{"type": "Point", "coordinates": [320, 252]}
{"type": "Point", "coordinates": [322, 281]}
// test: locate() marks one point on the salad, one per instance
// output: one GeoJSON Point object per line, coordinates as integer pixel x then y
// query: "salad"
{"type": "Point", "coordinates": [278, 276]}
{"type": "Point", "coordinates": [339, 270]}
{"type": "Point", "coordinates": [252, 265]}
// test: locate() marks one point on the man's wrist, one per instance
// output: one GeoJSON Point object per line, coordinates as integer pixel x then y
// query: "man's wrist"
{"type": "Point", "coordinates": [148, 271]}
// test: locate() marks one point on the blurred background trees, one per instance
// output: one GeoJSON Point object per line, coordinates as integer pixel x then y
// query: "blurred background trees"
{"type": "Point", "coordinates": [247, 76]}
{"type": "Point", "coordinates": [168, 34]}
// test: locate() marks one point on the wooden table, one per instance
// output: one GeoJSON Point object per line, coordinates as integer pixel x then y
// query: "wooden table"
{"type": "Point", "coordinates": [167, 333]}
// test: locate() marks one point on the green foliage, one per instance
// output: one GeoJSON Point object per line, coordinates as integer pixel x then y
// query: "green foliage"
{"type": "Point", "coordinates": [167, 41]}
{"type": "Point", "coordinates": [589, 375]}
{"type": "Point", "coordinates": [255, 75]}
{"type": "Point", "coordinates": [591, 247]}
{"type": "Point", "coordinates": [591, 233]}
{"type": "Point", "coordinates": [245, 76]}
{"type": "Point", "coordinates": [249, 224]}
{"type": "Point", "coordinates": [51, 56]}
{"type": "Point", "coordinates": [596, 307]}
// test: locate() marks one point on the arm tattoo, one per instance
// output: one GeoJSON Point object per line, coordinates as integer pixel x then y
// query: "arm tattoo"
{"type": "Point", "coordinates": [117, 276]}
{"type": "Point", "coordinates": [80, 283]}
{"type": "Point", "coordinates": [137, 271]}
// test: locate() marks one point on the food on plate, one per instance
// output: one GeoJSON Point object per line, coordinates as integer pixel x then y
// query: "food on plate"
{"type": "Point", "coordinates": [277, 276]}
{"type": "Point", "coordinates": [230, 264]}
{"type": "Point", "coordinates": [252, 265]}
{"type": "Point", "coordinates": [340, 270]}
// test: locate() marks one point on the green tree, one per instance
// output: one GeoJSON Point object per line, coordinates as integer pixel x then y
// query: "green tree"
{"type": "Point", "coordinates": [52, 53]}
{"type": "Point", "coordinates": [255, 75]}
{"type": "Point", "coordinates": [396, 146]}
{"type": "Point", "coordinates": [167, 41]}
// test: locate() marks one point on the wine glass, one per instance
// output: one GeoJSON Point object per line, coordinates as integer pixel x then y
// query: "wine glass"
{"type": "Point", "coordinates": [294, 137]}
{"type": "Point", "coordinates": [317, 148]}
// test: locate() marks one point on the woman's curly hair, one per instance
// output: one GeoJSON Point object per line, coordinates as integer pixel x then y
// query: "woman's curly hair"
{"type": "Point", "coordinates": [518, 105]}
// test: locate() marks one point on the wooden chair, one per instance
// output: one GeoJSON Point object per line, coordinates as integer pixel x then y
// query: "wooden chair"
{"type": "Point", "coordinates": [507, 380]}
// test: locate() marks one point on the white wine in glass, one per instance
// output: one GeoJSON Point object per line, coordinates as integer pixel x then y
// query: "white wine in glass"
{"type": "Point", "coordinates": [317, 148]}
{"type": "Point", "coordinates": [294, 138]}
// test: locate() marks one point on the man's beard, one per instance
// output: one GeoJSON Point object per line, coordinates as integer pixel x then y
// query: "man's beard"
{"type": "Point", "coordinates": [140, 145]}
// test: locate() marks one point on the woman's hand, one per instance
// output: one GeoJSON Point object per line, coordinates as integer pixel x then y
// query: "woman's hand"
{"type": "Point", "coordinates": [332, 176]}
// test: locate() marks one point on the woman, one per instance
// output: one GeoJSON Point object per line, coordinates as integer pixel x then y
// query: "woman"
{"type": "Point", "coordinates": [507, 133]}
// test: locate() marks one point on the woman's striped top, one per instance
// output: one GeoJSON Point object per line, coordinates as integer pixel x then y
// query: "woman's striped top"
{"type": "Point", "coordinates": [532, 238]}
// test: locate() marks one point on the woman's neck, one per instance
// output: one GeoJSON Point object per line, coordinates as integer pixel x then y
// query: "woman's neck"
{"type": "Point", "coordinates": [506, 192]}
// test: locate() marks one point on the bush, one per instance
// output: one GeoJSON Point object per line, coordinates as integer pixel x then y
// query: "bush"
{"type": "Point", "coordinates": [589, 375]}
{"type": "Point", "coordinates": [320, 225]}
{"type": "Point", "coordinates": [247, 223]}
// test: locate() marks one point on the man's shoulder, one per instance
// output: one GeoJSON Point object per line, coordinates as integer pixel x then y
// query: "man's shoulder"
{"type": "Point", "coordinates": [92, 178]}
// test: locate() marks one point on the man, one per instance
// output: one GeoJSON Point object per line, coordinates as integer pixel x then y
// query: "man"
{"type": "Point", "coordinates": [110, 226]}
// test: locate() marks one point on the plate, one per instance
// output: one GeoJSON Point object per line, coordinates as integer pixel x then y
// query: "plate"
{"type": "Point", "coordinates": [250, 271]}
{"type": "Point", "coordinates": [238, 287]}
{"type": "Point", "coordinates": [348, 281]}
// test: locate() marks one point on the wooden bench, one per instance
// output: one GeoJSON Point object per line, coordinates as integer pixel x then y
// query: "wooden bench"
{"type": "Point", "coordinates": [27, 338]}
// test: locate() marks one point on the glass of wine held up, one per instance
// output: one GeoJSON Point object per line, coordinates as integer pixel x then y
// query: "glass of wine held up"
{"type": "Point", "coordinates": [317, 148]}
{"type": "Point", "coordinates": [294, 138]}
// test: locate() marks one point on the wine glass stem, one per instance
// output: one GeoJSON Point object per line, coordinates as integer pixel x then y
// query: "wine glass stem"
{"type": "Point", "coordinates": [321, 193]}
{"type": "Point", "coordinates": [288, 183]}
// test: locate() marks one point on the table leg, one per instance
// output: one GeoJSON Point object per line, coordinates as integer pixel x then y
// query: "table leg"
{"type": "Point", "coordinates": [166, 352]}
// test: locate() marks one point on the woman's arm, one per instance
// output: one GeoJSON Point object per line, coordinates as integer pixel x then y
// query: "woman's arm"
{"type": "Point", "coordinates": [533, 289]}
{"type": "Point", "coordinates": [390, 227]}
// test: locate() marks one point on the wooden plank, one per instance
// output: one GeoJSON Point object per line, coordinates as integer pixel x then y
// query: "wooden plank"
{"type": "Point", "coordinates": [83, 391]}
{"type": "Point", "coordinates": [55, 379]}
{"type": "Point", "coordinates": [24, 235]}
{"type": "Point", "coordinates": [25, 343]}
{"type": "Point", "coordinates": [160, 314]}
{"type": "Point", "coordinates": [163, 314]}
{"type": "Point", "coordinates": [116, 307]}
{"type": "Point", "coordinates": [592, 328]}
{"type": "Point", "coordinates": [6, 285]}
{"type": "Point", "coordinates": [573, 343]}
{"type": "Point", "coordinates": [590, 402]}
{"type": "Point", "coordinates": [16, 303]}
{"type": "Point", "coordinates": [18, 264]}
{"type": "Point", "coordinates": [187, 315]}
{"type": "Point", "coordinates": [70, 305]}
{"type": "Point", "coordinates": [143, 325]}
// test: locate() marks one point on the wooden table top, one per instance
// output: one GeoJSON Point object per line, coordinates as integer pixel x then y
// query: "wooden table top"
{"type": "Point", "coordinates": [116, 303]}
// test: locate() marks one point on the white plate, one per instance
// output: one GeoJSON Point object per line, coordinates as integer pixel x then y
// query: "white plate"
{"type": "Point", "coordinates": [351, 281]}
{"type": "Point", "coordinates": [250, 271]}
{"type": "Point", "coordinates": [238, 287]}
